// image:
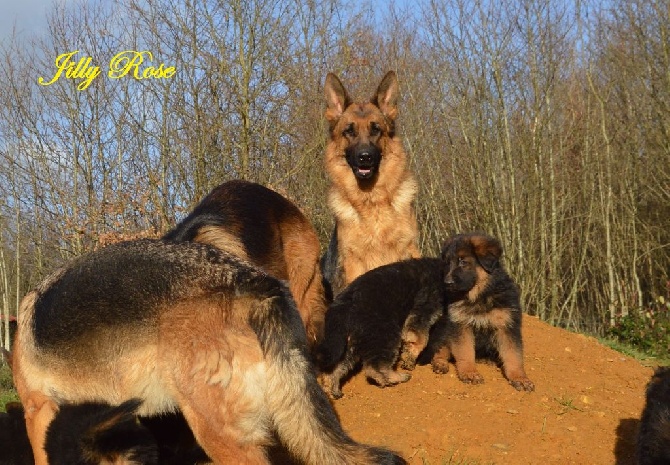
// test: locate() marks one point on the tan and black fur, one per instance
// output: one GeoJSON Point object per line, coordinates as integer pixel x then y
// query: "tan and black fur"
{"type": "Point", "coordinates": [94, 433]}
{"type": "Point", "coordinates": [372, 189]}
{"type": "Point", "coordinates": [653, 441]}
{"type": "Point", "coordinates": [179, 326]}
{"type": "Point", "coordinates": [483, 313]}
{"type": "Point", "coordinates": [259, 225]}
{"type": "Point", "coordinates": [383, 318]}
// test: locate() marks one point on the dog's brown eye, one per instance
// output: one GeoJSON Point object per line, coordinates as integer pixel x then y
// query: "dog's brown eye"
{"type": "Point", "coordinates": [462, 262]}
{"type": "Point", "coordinates": [375, 129]}
{"type": "Point", "coordinates": [349, 131]}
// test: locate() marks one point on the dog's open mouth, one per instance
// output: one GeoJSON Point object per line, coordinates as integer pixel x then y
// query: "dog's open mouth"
{"type": "Point", "coordinates": [363, 172]}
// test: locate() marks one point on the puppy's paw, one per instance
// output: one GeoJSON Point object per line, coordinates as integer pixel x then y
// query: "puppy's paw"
{"type": "Point", "coordinates": [522, 384]}
{"type": "Point", "coordinates": [440, 366]}
{"type": "Point", "coordinates": [471, 377]}
{"type": "Point", "coordinates": [407, 363]}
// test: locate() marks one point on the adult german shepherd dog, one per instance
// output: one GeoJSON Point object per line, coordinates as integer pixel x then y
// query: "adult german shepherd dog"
{"type": "Point", "coordinates": [483, 312]}
{"type": "Point", "coordinates": [372, 189]}
{"type": "Point", "coordinates": [261, 226]}
{"type": "Point", "coordinates": [179, 326]}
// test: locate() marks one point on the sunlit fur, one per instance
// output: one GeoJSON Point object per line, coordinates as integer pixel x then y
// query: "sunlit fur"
{"type": "Point", "coordinates": [261, 226]}
{"type": "Point", "coordinates": [179, 326]}
{"type": "Point", "coordinates": [484, 312]}
{"type": "Point", "coordinates": [375, 222]}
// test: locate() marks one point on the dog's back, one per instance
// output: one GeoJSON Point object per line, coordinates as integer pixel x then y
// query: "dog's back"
{"type": "Point", "coordinates": [388, 307]}
{"type": "Point", "coordinates": [259, 225]}
{"type": "Point", "coordinates": [179, 325]}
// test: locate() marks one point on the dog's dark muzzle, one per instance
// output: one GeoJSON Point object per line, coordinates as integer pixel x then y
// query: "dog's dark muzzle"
{"type": "Point", "coordinates": [364, 160]}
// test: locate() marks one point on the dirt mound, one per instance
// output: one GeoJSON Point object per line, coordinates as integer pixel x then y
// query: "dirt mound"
{"type": "Point", "coordinates": [585, 409]}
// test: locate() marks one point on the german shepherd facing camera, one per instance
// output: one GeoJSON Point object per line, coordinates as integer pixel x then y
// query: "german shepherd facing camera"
{"type": "Point", "coordinates": [383, 317]}
{"type": "Point", "coordinates": [261, 226]}
{"type": "Point", "coordinates": [372, 189]}
{"type": "Point", "coordinates": [483, 313]}
{"type": "Point", "coordinates": [653, 442]}
{"type": "Point", "coordinates": [179, 326]}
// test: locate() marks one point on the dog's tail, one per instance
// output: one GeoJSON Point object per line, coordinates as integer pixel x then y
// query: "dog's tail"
{"type": "Point", "coordinates": [336, 336]}
{"type": "Point", "coordinates": [302, 415]}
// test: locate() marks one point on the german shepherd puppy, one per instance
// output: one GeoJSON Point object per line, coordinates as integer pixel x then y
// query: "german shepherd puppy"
{"type": "Point", "coordinates": [383, 316]}
{"type": "Point", "coordinates": [179, 326]}
{"type": "Point", "coordinates": [653, 444]}
{"type": "Point", "coordinates": [372, 189]}
{"type": "Point", "coordinates": [92, 433]}
{"type": "Point", "coordinates": [259, 225]}
{"type": "Point", "coordinates": [483, 313]}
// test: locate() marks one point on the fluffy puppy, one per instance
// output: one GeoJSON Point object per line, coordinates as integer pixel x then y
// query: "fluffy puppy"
{"type": "Point", "coordinates": [93, 433]}
{"type": "Point", "coordinates": [384, 315]}
{"type": "Point", "coordinates": [483, 313]}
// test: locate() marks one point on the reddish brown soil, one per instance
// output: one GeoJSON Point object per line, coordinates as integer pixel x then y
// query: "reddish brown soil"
{"type": "Point", "coordinates": [585, 409]}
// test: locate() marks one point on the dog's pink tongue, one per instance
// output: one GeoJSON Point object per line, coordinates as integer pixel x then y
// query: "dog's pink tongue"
{"type": "Point", "coordinates": [363, 171]}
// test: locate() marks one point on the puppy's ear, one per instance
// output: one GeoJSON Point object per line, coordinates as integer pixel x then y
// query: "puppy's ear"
{"type": "Point", "coordinates": [488, 251]}
{"type": "Point", "coordinates": [337, 98]}
{"type": "Point", "coordinates": [386, 97]}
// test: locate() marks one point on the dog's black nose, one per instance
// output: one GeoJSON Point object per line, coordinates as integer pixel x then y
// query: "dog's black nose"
{"type": "Point", "coordinates": [449, 280]}
{"type": "Point", "coordinates": [364, 158]}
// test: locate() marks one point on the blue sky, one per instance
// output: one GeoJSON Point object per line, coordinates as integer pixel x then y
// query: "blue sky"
{"type": "Point", "coordinates": [29, 16]}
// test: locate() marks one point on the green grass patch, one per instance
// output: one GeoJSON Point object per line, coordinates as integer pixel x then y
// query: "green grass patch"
{"type": "Point", "coordinates": [7, 391]}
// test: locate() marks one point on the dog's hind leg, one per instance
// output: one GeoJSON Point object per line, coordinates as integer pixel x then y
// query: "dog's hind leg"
{"type": "Point", "coordinates": [40, 410]}
{"type": "Point", "coordinates": [334, 380]}
{"type": "Point", "coordinates": [301, 254]}
{"type": "Point", "coordinates": [217, 376]}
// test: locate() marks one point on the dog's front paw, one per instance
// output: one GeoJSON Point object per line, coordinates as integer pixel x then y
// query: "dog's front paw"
{"type": "Point", "coordinates": [522, 384]}
{"type": "Point", "coordinates": [471, 377]}
{"type": "Point", "coordinates": [407, 362]}
{"type": "Point", "coordinates": [440, 366]}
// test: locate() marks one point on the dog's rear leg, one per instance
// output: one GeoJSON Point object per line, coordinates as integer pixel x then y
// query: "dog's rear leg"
{"type": "Point", "coordinates": [216, 373]}
{"type": "Point", "coordinates": [440, 361]}
{"type": "Point", "coordinates": [39, 411]}
{"type": "Point", "coordinates": [222, 442]}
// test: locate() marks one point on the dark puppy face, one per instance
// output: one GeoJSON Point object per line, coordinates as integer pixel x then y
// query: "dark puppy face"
{"type": "Point", "coordinates": [469, 258]}
{"type": "Point", "coordinates": [361, 128]}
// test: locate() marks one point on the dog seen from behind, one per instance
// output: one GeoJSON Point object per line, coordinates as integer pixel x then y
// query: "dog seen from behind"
{"type": "Point", "coordinates": [372, 189]}
{"type": "Point", "coordinates": [263, 227]}
{"type": "Point", "coordinates": [483, 313]}
{"type": "Point", "coordinates": [382, 318]}
{"type": "Point", "coordinates": [153, 327]}
{"type": "Point", "coordinates": [653, 442]}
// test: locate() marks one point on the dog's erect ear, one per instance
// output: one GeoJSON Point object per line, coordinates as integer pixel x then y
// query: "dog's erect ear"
{"type": "Point", "coordinates": [487, 250]}
{"type": "Point", "coordinates": [386, 97]}
{"type": "Point", "coordinates": [336, 97]}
